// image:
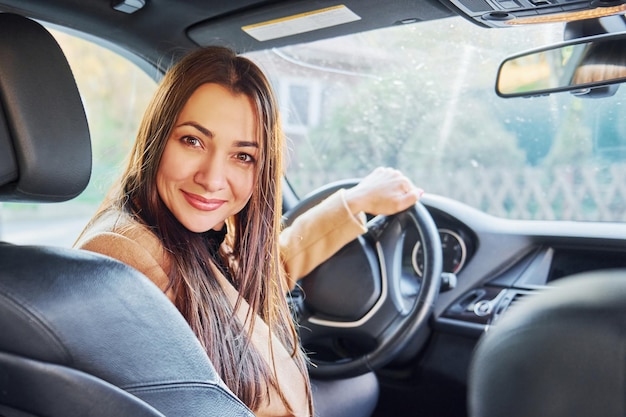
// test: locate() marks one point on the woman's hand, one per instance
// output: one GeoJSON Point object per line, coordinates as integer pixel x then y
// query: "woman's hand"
{"type": "Point", "coordinates": [384, 191]}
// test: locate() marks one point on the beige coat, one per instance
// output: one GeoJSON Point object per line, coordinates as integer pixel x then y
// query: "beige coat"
{"type": "Point", "coordinates": [310, 240]}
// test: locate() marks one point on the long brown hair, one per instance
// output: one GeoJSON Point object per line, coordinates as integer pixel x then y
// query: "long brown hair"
{"type": "Point", "coordinates": [255, 266]}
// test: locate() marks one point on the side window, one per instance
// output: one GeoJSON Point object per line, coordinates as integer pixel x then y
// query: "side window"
{"type": "Point", "coordinates": [115, 93]}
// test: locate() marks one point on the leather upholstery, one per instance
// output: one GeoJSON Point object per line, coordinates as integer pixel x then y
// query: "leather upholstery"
{"type": "Point", "coordinates": [559, 353]}
{"type": "Point", "coordinates": [95, 316]}
{"type": "Point", "coordinates": [81, 334]}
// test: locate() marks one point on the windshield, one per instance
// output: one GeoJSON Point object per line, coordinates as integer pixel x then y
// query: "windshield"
{"type": "Point", "coordinates": [418, 97]}
{"type": "Point", "coordinates": [421, 98]}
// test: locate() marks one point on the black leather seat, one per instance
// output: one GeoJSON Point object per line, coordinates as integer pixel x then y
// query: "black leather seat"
{"type": "Point", "coordinates": [559, 353]}
{"type": "Point", "coordinates": [80, 334]}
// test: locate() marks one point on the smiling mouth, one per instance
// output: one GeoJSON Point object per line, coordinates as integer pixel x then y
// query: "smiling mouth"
{"type": "Point", "coordinates": [201, 203]}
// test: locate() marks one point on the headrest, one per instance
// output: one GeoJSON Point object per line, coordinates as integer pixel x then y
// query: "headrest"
{"type": "Point", "coordinates": [558, 353]}
{"type": "Point", "coordinates": [45, 147]}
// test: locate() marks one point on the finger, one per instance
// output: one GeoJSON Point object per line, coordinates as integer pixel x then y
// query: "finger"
{"type": "Point", "coordinates": [412, 197]}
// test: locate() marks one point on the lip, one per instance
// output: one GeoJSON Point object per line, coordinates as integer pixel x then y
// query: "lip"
{"type": "Point", "coordinates": [200, 203]}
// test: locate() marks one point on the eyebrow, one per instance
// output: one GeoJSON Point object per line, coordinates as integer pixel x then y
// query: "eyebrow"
{"type": "Point", "coordinates": [202, 129]}
{"type": "Point", "coordinates": [208, 133]}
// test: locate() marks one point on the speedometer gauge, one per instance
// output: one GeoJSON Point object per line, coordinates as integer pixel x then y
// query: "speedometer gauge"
{"type": "Point", "coordinates": [453, 249]}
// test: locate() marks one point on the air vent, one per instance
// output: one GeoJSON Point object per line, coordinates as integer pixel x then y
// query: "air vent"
{"type": "Point", "coordinates": [516, 298]}
{"type": "Point", "coordinates": [508, 299]}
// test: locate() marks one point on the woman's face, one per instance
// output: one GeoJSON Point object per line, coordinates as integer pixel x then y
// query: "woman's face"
{"type": "Point", "coordinates": [207, 171]}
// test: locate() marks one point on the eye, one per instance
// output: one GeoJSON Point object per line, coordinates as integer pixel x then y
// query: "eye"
{"type": "Point", "coordinates": [191, 141]}
{"type": "Point", "coordinates": [245, 157]}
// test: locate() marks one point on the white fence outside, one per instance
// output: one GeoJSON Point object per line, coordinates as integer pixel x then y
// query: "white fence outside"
{"type": "Point", "coordinates": [580, 193]}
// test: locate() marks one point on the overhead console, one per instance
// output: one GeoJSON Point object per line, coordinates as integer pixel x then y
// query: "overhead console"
{"type": "Point", "coordinates": [508, 13]}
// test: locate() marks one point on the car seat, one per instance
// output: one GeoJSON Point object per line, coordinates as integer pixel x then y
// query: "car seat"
{"type": "Point", "coordinates": [558, 353]}
{"type": "Point", "coordinates": [80, 334]}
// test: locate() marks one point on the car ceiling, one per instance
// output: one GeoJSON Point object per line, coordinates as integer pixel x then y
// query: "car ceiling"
{"type": "Point", "coordinates": [164, 27]}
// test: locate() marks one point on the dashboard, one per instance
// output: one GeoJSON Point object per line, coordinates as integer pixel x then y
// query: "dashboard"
{"type": "Point", "coordinates": [496, 262]}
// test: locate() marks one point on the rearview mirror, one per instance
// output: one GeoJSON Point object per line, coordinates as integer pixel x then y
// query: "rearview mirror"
{"type": "Point", "coordinates": [580, 66]}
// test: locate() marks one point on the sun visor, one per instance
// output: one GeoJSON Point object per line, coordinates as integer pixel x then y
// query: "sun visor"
{"type": "Point", "coordinates": [291, 22]}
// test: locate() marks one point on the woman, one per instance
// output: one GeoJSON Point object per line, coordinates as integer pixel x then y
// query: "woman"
{"type": "Point", "coordinates": [198, 211]}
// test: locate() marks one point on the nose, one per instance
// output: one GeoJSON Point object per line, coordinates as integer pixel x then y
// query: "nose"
{"type": "Point", "coordinates": [211, 174]}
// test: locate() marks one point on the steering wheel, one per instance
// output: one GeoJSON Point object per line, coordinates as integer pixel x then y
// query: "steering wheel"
{"type": "Point", "coordinates": [361, 308]}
